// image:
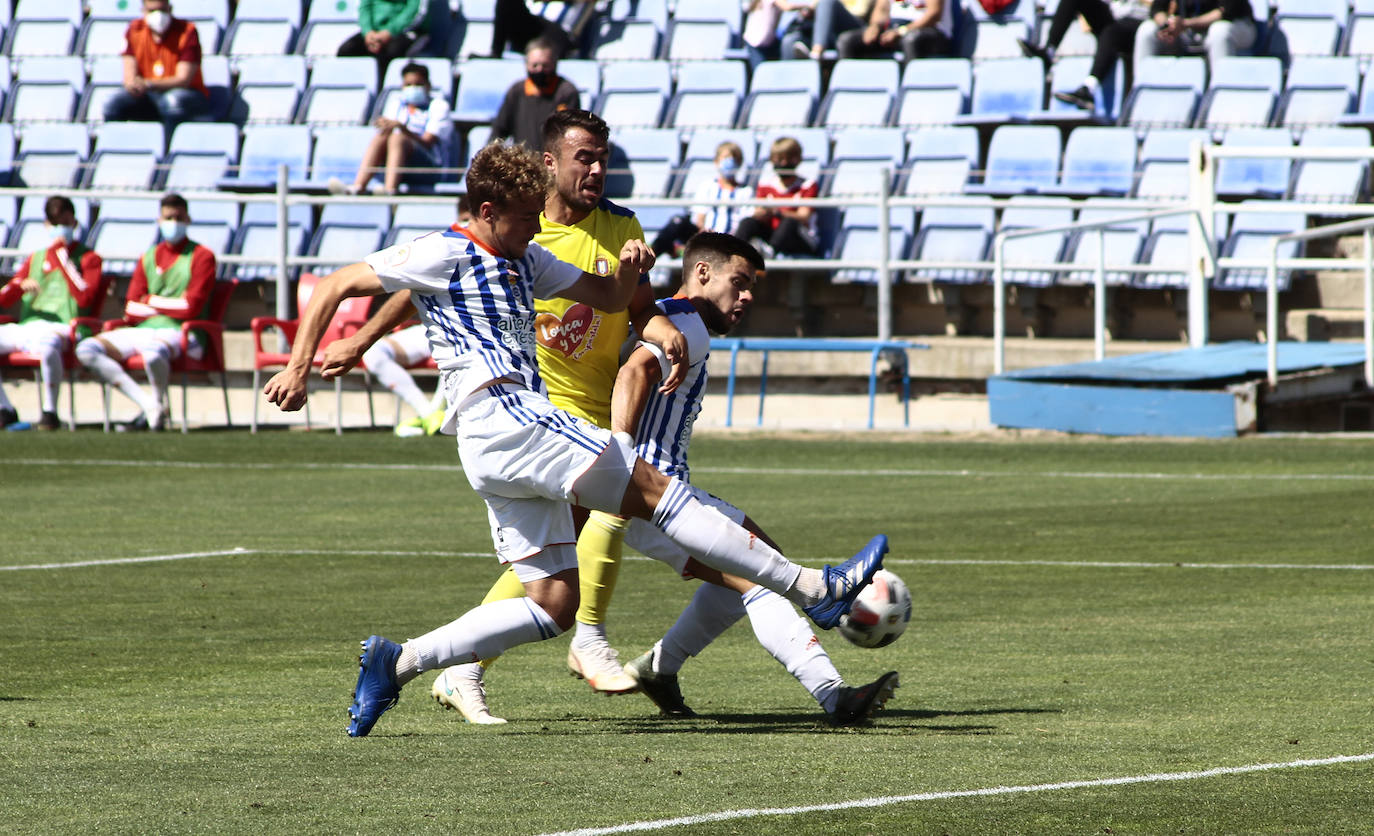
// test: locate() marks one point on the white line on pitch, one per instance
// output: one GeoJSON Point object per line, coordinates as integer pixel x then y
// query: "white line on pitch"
{"type": "Point", "coordinates": [740, 471]}
{"type": "Point", "coordinates": [1126, 564]}
{"type": "Point", "coordinates": [887, 801]}
{"type": "Point", "coordinates": [235, 552]}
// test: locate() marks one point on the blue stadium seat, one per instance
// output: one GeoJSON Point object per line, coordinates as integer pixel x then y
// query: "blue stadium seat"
{"type": "Point", "coordinates": [623, 40]}
{"type": "Point", "coordinates": [698, 40]}
{"type": "Point", "coordinates": [1035, 213]}
{"type": "Point", "coordinates": [103, 35]}
{"type": "Point", "coordinates": [1005, 90]}
{"type": "Point", "coordinates": [65, 68]}
{"type": "Point", "coordinates": [584, 74]}
{"type": "Point", "coordinates": [692, 110]}
{"type": "Point", "coordinates": [933, 92]}
{"type": "Point", "coordinates": [265, 147]}
{"type": "Point", "coordinates": [770, 109]}
{"type": "Point", "coordinates": [787, 75]}
{"type": "Point", "coordinates": [1241, 94]}
{"type": "Point", "coordinates": [269, 89]}
{"type": "Point", "coordinates": [1259, 177]}
{"type": "Point", "coordinates": [648, 143]}
{"type": "Point", "coordinates": [128, 208]}
{"type": "Point", "coordinates": [1119, 244]}
{"type": "Point", "coordinates": [1163, 170]}
{"type": "Point", "coordinates": [859, 175]}
{"type": "Point", "coordinates": [226, 213]}
{"type": "Point", "coordinates": [871, 142]}
{"type": "Point", "coordinates": [1290, 35]}
{"type": "Point", "coordinates": [1331, 181]}
{"type": "Point", "coordinates": [375, 215]}
{"type": "Point", "coordinates": [1165, 92]}
{"type": "Point", "coordinates": [342, 240]}
{"type": "Point", "coordinates": [953, 234]}
{"type": "Point", "coordinates": [350, 71]}
{"type": "Point", "coordinates": [1251, 236]}
{"type": "Point", "coordinates": [482, 85]}
{"type": "Point", "coordinates": [68, 10]}
{"type": "Point", "coordinates": [50, 155]}
{"type": "Point", "coordinates": [862, 74]}
{"type": "Point", "coordinates": [121, 242]}
{"type": "Point", "coordinates": [845, 109]}
{"type": "Point", "coordinates": [107, 79]}
{"type": "Point", "coordinates": [327, 24]}
{"type": "Point", "coordinates": [125, 155]}
{"type": "Point", "coordinates": [1359, 36]}
{"type": "Point", "coordinates": [1099, 161]}
{"type": "Point", "coordinates": [215, 10]}
{"type": "Point", "coordinates": [251, 34]}
{"type": "Point", "coordinates": [26, 38]}
{"type": "Point", "coordinates": [723, 74]}
{"type": "Point", "coordinates": [1318, 91]}
{"type": "Point", "coordinates": [898, 217]}
{"type": "Point", "coordinates": [653, 74]}
{"type": "Point", "coordinates": [258, 240]}
{"type": "Point", "coordinates": [6, 169]}
{"type": "Point", "coordinates": [861, 243]}
{"type": "Point", "coordinates": [1067, 76]}
{"type": "Point", "coordinates": [1021, 159]}
{"type": "Point", "coordinates": [940, 161]}
{"type": "Point", "coordinates": [337, 153]}
{"type": "Point", "coordinates": [631, 108]}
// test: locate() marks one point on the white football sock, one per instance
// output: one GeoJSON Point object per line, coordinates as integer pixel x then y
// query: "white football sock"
{"type": "Point", "coordinates": [712, 610]}
{"type": "Point", "coordinates": [587, 635]}
{"type": "Point", "coordinates": [157, 363]}
{"type": "Point", "coordinates": [483, 632]}
{"type": "Point", "coordinates": [380, 360]}
{"type": "Point", "coordinates": [719, 542]}
{"type": "Point", "coordinates": [790, 639]}
{"type": "Point", "coordinates": [1092, 84]}
{"type": "Point", "coordinates": [50, 370]}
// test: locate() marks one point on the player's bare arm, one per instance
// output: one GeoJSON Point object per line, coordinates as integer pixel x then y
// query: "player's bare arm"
{"type": "Point", "coordinates": [342, 355]}
{"type": "Point", "coordinates": [287, 389]}
{"type": "Point", "coordinates": [614, 295]}
{"type": "Point", "coordinates": [653, 325]}
{"type": "Point", "coordinates": [637, 377]}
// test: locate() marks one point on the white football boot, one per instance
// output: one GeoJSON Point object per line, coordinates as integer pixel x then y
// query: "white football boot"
{"type": "Point", "coordinates": [599, 664]}
{"type": "Point", "coordinates": [460, 687]}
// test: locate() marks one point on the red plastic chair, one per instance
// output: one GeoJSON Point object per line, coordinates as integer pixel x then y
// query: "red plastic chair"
{"type": "Point", "coordinates": [350, 316]}
{"type": "Point", "coordinates": [80, 326]}
{"type": "Point", "coordinates": [211, 361]}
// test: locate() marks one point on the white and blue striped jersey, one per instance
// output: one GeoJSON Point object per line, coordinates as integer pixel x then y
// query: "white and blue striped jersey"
{"type": "Point", "coordinates": [477, 307]}
{"type": "Point", "coordinates": [665, 426]}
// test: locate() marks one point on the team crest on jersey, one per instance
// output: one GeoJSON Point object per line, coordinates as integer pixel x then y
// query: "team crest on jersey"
{"type": "Point", "coordinates": [603, 266]}
{"type": "Point", "coordinates": [571, 334]}
{"type": "Point", "coordinates": [399, 255]}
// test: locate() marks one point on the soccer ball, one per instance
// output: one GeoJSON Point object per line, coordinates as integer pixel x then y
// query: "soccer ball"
{"type": "Point", "coordinates": [880, 613]}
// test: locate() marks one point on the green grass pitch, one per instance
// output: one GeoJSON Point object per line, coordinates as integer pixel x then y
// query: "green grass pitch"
{"type": "Point", "coordinates": [1085, 610]}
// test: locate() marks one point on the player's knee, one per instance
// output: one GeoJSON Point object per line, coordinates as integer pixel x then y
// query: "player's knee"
{"type": "Point", "coordinates": [89, 350]}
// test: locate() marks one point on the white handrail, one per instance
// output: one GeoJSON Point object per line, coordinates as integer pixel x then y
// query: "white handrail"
{"type": "Point", "coordinates": [1366, 227]}
{"type": "Point", "coordinates": [999, 295]}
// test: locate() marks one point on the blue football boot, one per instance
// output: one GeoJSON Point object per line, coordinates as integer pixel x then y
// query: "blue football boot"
{"type": "Point", "coordinates": [844, 582]}
{"type": "Point", "coordinates": [376, 690]}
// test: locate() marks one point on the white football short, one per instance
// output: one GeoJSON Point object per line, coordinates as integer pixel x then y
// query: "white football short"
{"type": "Point", "coordinates": [522, 455]}
{"type": "Point", "coordinates": [127, 341]}
{"type": "Point", "coordinates": [650, 541]}
{"type": "Point", "coordinates": [31, 336]}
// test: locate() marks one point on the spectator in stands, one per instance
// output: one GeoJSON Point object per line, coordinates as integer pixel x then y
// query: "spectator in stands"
{"type": "Point", "coordinates": [1221, 28]}
{"type": "Point", "coordinates": [172, 282]}
{"type": "Point", "coordinates": [783, 228]}
{"type": "Point", "coordinates": [710, 213]}
{"type": "Point", "coordinates": [919, 28]}
{"type": "Point", "coordinates": [162, 80]}
{"type": "Point", "coordinates": [53, 286]}
{"type": "Point", "coordinates": [828, 20]}
{"type": "Point", "coordinates": [529, 102]}
{"type": "Point", "coordinates": [390, 29]}
{"type": "Point", "coordinates": [761, 21]}
{"type": "Point", "coordinates": [415, 134]}
{"type": "Point", "coordinates": [1099, 15]}
{"type": "Point", "coordinates": [516, 25]}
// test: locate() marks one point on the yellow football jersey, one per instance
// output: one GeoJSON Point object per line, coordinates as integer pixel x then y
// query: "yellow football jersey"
{"type": "Point", "coordinates": [579, 346]}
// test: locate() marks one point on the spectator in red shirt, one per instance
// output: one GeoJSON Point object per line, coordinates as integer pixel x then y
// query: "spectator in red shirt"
{"type": "Point", "coordinates": [788, 229]}
{"type": "Point", "coordinates": [162, 80]}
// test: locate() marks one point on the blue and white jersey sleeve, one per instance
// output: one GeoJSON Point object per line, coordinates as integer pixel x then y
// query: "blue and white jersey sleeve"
{"type": "Point", "coordinates": [550, 276]}
{"type": "Point", "coordinates": [665, 426]}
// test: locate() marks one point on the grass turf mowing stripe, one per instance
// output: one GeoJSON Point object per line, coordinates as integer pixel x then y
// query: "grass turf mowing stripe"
{"type": "Point", "coordinates": [735, 471]}
{"type": "Point", "coordinates": [886, 801]}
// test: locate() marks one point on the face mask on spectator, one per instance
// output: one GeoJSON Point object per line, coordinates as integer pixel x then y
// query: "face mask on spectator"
{"type": "Point", "coordinates": [158, 21]}
{"type": "Point", "coordinates": [173, 232]}
{"type": "Point", "coordinates": [728, 167]}
{"type": "Point", "coordinates": [542, 78]}
{"type": "Point", "coordinates": [415, 95]}
{"type": "Point", "coordinates": [66, 233]}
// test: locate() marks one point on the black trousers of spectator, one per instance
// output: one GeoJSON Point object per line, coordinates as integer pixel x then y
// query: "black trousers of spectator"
{"type": "Point", "coordinates": [1096, 12]}
{"type": "Point", "coordinates": [398, 47]}
{"type": "Point", "coordinates": [517, 25]}
{"type": "Point", "coordinates": [1116, 41]}
{"type": "Point", "coordinates": [790, 238]}
{"type": "Point", "coordinates": [916, 43]}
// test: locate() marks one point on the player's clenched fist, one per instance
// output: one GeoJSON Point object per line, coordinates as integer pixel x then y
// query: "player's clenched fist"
{"type": "Point", "coordinates": [286, 389]}
{"type": "Point", "coordinates": [637, 254]}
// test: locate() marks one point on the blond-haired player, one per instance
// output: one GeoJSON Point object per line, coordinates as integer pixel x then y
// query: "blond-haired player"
{"type": "Point", "coordinates": [527, 459]}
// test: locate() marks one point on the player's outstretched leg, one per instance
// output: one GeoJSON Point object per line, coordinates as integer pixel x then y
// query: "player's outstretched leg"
{"type": "Point", "coordinates": [843, 583]}
{"type": "Point", "coordinates": [855, 705]}
{"type": "Point", "coordinates": [590, 655]}
{"type": "Point", "coordinates": [460, 688]}
{"type": "Point", "coordinates": [377, 688]}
